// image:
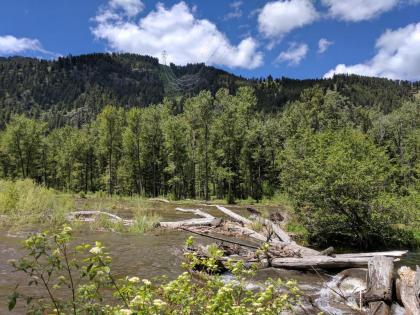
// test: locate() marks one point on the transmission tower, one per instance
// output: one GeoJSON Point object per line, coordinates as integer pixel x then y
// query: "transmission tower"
{"type": "Point", "coordinates": [164, 56]}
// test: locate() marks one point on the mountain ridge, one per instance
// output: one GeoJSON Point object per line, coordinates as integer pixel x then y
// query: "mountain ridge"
{"type": "Point", "coordinates": [80, 86]}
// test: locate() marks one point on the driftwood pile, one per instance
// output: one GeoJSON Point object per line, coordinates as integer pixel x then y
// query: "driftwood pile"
{"type": "Point", "coordinates": [383, 286]}
{"type": "Point", "coordinates": [283, 251]}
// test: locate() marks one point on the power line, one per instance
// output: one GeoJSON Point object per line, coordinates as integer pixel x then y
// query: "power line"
{"type": "Point", "coordinates": [185, 83]}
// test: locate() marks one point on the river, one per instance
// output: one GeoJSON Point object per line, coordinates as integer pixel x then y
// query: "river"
{"type": "Point", "coordinates": [159, 253]}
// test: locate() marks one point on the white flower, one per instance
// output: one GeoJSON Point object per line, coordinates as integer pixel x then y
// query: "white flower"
{"type": "Point", "coordinates": [146, 282]}
{"type": "Point", "coordinates": [134, 280]}
{"type": "Point", "coordinates": [95, 250]}
{"type": "Point", "coordinates": [125, 311]}
{"type": "Point", "coordinates": [137, 299]}
{"type": "Point", "coordinates": [158, 303]}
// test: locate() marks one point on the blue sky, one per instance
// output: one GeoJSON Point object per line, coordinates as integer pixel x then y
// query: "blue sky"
{"type": "Point", "coordinates": [254, 38]}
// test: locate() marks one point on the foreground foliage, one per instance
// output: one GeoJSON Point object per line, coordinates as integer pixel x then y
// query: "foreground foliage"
{"type": "Point", "coordinates": [80, 281]}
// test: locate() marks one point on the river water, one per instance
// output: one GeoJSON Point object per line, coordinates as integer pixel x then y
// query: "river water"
{"type": "Point", "coordinates": [159, 253]}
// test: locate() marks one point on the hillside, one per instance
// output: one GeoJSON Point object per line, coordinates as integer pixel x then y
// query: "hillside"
{"type": "Point", "coordinates": [74, 89]}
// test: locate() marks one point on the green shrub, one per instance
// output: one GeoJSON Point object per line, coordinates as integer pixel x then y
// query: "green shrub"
{"type": "Point", "coordinates": [337, 180]}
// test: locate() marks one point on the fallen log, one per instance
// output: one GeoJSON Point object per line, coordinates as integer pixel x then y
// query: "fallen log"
{"type": "Point", "coordinates": [409, 288]}
{"type": "Point", "coordinates": [379, 285]}
{"type": "Point", "coordinates": [398, 253]}
{"type": "Point", "coordinates": [191, 222]}
{"type": "Point", "coordinates": [236, 217]}
{"type": "Point", "coordinates": [205, 220]}
{"type": "Point", "coordinates": [299, 250]}
{"type": "Point", "coordinates": [323, 262]}
{"type": "Point", "coordinates": [244, 231]}
{"type": "Point", "coordinates": [92, 216]}
{"type": "Point", "coordinates": [197, 212]}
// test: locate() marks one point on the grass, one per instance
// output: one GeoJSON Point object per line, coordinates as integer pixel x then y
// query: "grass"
{"type": "Point", "coordinates": [23, 203]}
{"type": "Point", "coordinates": [103, 202]}
{"type": "Point", "coordinates": [299, 232]}
{"type": "Point", "coordinates": [257, 226]}
{"type": "Point", "coordinates": [144, 223]}
{"type": "Point", "coordinates": [26, 205]}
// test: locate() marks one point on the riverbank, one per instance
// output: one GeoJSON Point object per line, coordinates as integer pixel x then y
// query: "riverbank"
{"type": "Point", "coordinates": [27, 206]}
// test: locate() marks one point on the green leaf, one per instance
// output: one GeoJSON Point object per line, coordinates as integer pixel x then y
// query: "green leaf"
{"type": "Point", "coordinates": [12, 300]}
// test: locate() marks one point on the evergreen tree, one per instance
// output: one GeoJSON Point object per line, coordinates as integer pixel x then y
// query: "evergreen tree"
{"type": "Point", "coordinates": [110, 126]}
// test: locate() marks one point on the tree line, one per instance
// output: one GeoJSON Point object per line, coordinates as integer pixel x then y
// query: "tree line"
{"type": "Point", "coordinates": [345, 166]}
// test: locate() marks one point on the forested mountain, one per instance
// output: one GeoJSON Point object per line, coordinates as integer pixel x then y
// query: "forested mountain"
{"type": "Point", "coordinates": [74, 89]}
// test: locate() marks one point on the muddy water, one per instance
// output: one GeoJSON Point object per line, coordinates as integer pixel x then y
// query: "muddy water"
{"type": "Point", "coordinates": [146, 256]}
{"type": "Point", "coordinates": [154, 254]}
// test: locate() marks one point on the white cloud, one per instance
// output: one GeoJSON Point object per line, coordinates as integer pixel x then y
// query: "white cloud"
{"type": "Point", "coordinates": [397, 57]}
{"type": "Point", "coordinates": [130, 7]}
{"type": "Point", "coordinates": [323, 45]}
{"type": "Point", "coordinates": [280, 17]}
{"type": "Point", "coordinates": [185, 38]}
{"type": "Point", "coordinates": [236, 12]}
{"type": "Point", "coordinates": [12, 45]}
{"type": "Point", "coordinates": [358, 10]}
{"type": "Point", "coordinates": [294, 54]}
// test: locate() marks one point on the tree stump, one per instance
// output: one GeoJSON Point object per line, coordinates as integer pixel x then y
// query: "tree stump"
{"type": "Point", "coordinates": [380, 273]}
{"type": "Point", "coordinates": [409, 290]}
{"type": "Point", "coordinates": [379, 285]}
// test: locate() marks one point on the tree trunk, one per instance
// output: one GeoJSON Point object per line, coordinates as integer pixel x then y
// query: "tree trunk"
{"type": "Point", "coordinates": [206, 176]}
{"type": "Point", "coordinates": [380, 270]}
{"type": "Point", "coordinates": [110, 190]}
